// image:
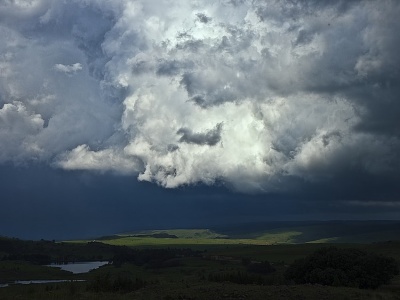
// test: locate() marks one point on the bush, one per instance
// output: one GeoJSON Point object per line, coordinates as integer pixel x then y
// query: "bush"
{"type": "Point", "coordinates": [261, 268]}
{"type": "Point", "coordinates": [121, 284]}
{"type": "Point", "coordinates": [236, 277]}
{"type": "Point", "coordinates": [343, 267]}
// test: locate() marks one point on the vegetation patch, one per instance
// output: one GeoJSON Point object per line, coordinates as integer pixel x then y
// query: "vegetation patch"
{"type": "Point", "coordinates": [121, 284]}
{"type": "Point", "coordinates": [280, 237]}
{"type": "Point", "coordinates": [343, 267]}
{"type": "Point", "coordinates": [177, 233]}
{"type": "Point", "coordinates": [236, 277]}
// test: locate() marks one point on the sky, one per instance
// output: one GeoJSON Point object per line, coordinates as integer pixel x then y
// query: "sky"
{"type": "Point", "coordinates": [118, 115]}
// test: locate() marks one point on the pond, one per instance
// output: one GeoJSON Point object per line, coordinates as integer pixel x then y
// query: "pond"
{"type": "Point", "coordinates": [75, 268]}
{"type": "Point", "coordinates": [36, 282]}
{"type": "Point", "coordinates": [80, 267]}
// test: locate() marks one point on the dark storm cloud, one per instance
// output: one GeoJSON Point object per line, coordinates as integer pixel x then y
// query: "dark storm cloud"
{"type": "Point", "coordinates": [329, 136]}
{"type": "Point", "coordinates": [199, 100]}
{"type": "Point", "coordinates": [189, 82]}
{"type": "Point", "coordinates": [296, 9]}
{"type": "Point", "coordinates": [210, 137]}
{"type": "Point", "coordinates": [205, 92]}
{"type": "Point", "coordinates": [304, 37]}
{"type": "Point", "coordinates": [190, 45]}
{"type": "Point", "coordinates": [360, 61]}
{"type": "Point", "coordinates": [303, 89]}
{"type": "Point", "coordinates": [173, 67]}
{"type": "Point", "coordinates": [40, 202]}
{"type": "Point", "coordinates": [203, 18]}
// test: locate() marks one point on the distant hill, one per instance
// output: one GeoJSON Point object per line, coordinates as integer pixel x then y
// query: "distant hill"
{"type": "Point", "coordinates": [176, 233]}
{"type": "Point", "coordinates": [316, 231]}
{"type": "Point", "coordinates": [290, 232]}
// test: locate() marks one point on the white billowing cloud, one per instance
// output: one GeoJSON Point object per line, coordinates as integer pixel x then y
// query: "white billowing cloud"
{"type": "Point", "coordinates": [82, 158]}
{"type": "Point", "coordinates": [243, 92]}
{"type": "Point", "coordinates": [68, 69]}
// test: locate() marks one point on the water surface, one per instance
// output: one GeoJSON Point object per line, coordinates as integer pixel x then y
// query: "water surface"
{"type": "Point", "coordinates": [36, 282]}
{"type": "Point", "coordinates": [80, 267]}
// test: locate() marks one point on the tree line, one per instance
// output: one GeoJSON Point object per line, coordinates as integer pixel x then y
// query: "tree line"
{"type": "Point", "coordinates": [343, 267]}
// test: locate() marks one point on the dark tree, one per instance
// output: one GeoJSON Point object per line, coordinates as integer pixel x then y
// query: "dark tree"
{"type": "Point", "coordinates": [343, 267]}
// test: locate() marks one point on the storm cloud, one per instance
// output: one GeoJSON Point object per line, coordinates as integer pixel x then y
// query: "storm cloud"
{"type": "Point", "coordinates": [253, 94]}
{"type": "Point", "coordinates": [210, 138]}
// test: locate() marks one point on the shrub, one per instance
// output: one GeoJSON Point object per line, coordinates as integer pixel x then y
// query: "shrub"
{"type": "Point", "coordinates": [236, 277]}
{"type": "Point", "coordinates": [260, 268]}
{"type": "Point", "coordinates": [343, 267]}
{"type": "Point", "coordinates": [121, 284]}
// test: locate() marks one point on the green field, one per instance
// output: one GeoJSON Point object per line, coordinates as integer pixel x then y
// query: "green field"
{"type": "Point", "coordinates": [180, 233]}
{"type": "Point", "coordinates": [176, 242]}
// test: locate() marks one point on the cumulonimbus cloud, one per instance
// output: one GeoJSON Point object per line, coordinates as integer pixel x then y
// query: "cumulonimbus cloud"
{"type": "Point", "coordinates": [244, 92]}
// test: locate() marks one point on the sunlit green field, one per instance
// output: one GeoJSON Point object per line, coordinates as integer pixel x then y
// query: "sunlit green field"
{"type": "Point", "coordinates": [199, 238]}
{"type": "Point", "coordinates": [161, 242]}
